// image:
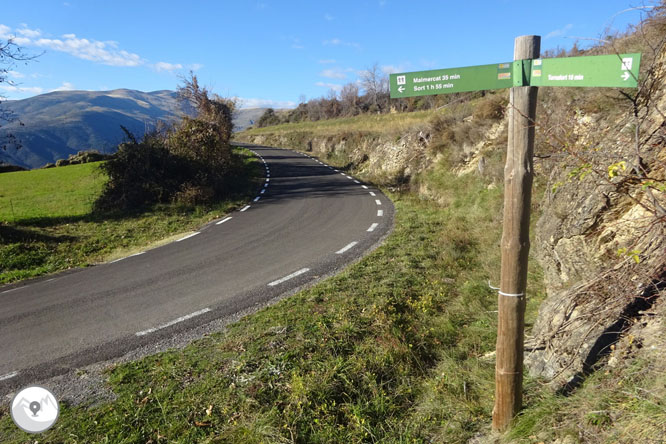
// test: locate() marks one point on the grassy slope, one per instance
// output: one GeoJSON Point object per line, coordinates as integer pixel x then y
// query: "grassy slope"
{"type": "Point", "coordinates": [54, 229]}
{"type": "Point", "coordinates": [372, 123]}
{"type": "Point", "coordinates": [54, 192]}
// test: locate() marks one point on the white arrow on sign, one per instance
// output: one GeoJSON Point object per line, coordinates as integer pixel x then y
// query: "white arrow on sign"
{"type": "Point", "coordinates": [402, 88]}
{"type": "Point", "coordinates": [625, 76]}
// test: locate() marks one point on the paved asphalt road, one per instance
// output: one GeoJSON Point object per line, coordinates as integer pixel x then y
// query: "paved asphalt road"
{"type": "Point", "coordinates": [309, 220]}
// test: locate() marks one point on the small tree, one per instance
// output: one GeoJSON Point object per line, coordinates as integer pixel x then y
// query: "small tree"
{"type": "Point", "coordinates": [349, 99]}
{"type": "Point", "coordinates": [268, 118]}
{"type": "Point", "coordinates": [10, 54]}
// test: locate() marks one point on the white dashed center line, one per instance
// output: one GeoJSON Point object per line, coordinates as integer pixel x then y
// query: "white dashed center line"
{"type": "Point", "coordinates": [380, 213]}
{"type": "Point", "coordinates": [11, 289]}
{"type": "Point", "coordinates": [364, 187]}
{"type": "Point", "coordinates": [245, 208]}
{"type": "Point", "coordinates": [223, 220]}
{"type": "Point", "coordinates": [372, 194]}
{"type": "Point", "coordinates": [175, 321]}
{"type": "Point", "coordinates": [256, 199]}
{"type": "Point", "coordinates": [346, 248]}
{"type": "Point", "coordinates": [291, 276]}
{"type": "Point", "coordinates": [373, 226]}
{"type": "Point", "coordinates": [188, 236]}
{"type": "Point", "coordinates": [378, 202]}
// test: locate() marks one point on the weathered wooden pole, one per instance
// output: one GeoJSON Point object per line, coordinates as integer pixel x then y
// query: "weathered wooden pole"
{"type": "Point", "coordinates": [518, 174]}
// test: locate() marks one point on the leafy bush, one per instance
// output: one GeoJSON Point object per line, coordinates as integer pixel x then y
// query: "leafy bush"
{"type": "Point", "coordinates": [492, 107]}
{"type": "Point", "coordinates": [268, 118]}
{"type": "Point", "coordinates": [141, 173]}
{"type": "Point", "coordinates": [190, 162]}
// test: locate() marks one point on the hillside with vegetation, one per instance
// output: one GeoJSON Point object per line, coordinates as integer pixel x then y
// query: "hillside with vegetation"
{"type": "Point", "coordinates": [598, 229]}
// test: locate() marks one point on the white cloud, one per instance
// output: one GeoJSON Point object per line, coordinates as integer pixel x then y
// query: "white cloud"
{"type": "Point", "coordinates": [15, 74]}
{"type": "Point", "coordinates": [333, 86]}
{"type": "Point", "coordinates": [338, 42]}
{"type": "Point", "coordinates": [328, 17]}
{"type": "Point", "coordinates": [164, 66]}
{"type": "Point", "coordinates": [296, 43]}
{"type": "Point", "coordinates": [334, 73]}
{"type": "Point", "coordinates": [29, 33]}
{"type": "Point", "coordinates": [390, 69]}
{"type": "Point", "coordinates": [559, 32]}
{"type": "Point", "coordinates": [263, 103]}
{"type": "Point", "coordinates": [195, 66]}
{"type": "Point", "coordinates": [21, 89]}
{"type": "Point", "coordinates": [66, 86]}
{"type": "Point", "coordinates": [106, 52]}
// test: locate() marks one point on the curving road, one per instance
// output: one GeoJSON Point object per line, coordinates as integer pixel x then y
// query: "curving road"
{"type": "Point", "coordinates": [308, 220]}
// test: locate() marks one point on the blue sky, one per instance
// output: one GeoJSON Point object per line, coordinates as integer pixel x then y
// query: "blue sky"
{"type": "Point", "coordinates": [269, 53]}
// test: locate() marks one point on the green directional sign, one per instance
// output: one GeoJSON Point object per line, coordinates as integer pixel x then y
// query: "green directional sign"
{"type": "Point", "coordinates": [616, 71]}
{"type": "Point", "coordinates": [453, 80]}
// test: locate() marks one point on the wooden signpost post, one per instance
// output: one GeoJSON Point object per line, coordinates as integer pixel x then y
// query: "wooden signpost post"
{"type": "Point", "coordinates": [524, 75]}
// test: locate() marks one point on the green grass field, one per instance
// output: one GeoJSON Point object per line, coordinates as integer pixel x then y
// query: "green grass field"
{"type": "Point", "coordinates": [55, 192]}
{"type": "Point", "coordinates": [47, 226]}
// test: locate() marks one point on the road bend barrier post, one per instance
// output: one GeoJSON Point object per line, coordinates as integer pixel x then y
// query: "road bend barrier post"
{"type": "Point", "coordinates": [518, 174]}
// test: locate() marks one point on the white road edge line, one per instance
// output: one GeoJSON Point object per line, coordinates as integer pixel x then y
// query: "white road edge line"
{"type": "Point", "coordinates": [373, 226]}
{"type": "Point", "coordinates": [245, 208]}
{"type": "Point", "coordinates": [188, 236]}
{"type": "Point", "coordinates": [256, 199]}
{"type": "Point", "coordinates": [347, 247]}
{"type": "Point", "coordinates": [364, 187]}
{"type": "Point", "coordinates": [372, 194]}
{"type": "Point", "coordinates": [170, 323]}
{"type": "Point", "coordinates": [11, 289]}
{"type": "Point", "coordinates": [223, 220]}
{"type": "Point", "coordinates": [262, 191]}
{"type": "Point", "coordinates": [291, 276]}
{"type": "Point", "coordinates": [378, 202]}
{"type": "Point", "coordinates": [356, 181]}
{"type": "Point", "coordinates": [380, 213]}
{"type": "Point", "coordinates": [9, 376]}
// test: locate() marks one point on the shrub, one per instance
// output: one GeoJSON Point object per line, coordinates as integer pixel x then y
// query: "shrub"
{"type": "Point", "coordinates": [190, 163]}
{"type": "Point", "coordinates": [140, 174]}
{"type": "Point", "coordinates": [492, 107]}
{"type": "Point", "coordinates": [268, 118]}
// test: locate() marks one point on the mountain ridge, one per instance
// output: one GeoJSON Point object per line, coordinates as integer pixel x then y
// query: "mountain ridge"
{"type": "Point", "coordinates": [58, 124]}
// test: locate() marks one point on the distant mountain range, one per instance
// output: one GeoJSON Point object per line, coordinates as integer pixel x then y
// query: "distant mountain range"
{"type": "Point", "coordinates": [52, 126]}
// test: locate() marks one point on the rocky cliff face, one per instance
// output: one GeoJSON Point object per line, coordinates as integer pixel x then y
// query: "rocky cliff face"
{"type": "Point", "coordinates": [601, 238]}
